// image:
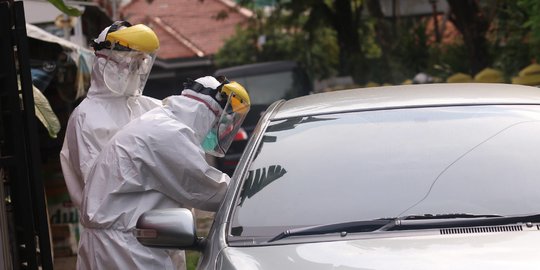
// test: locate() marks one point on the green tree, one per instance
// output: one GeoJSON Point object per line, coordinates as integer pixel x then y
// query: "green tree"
{"type": "Point", "coordinates": [339, 36]}
{"type": "Point", "coordinates": [330, 37]}
{"type": "Point", "coordinates": [345, 18]}
{"type": "Point", "coordinates": [279, 36]}
{"type": "Point", "coordinates": [532, 23]}
{"type": "Point", "coordinates": [510, 49]}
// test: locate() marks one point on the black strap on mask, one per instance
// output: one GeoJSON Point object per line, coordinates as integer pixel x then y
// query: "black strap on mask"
{"type": "Point", "coordinates": [216, 94]}
{"type": "Point", "coordinates": [107, 44]}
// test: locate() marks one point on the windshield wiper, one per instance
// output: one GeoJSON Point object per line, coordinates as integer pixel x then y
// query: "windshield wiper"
{"type": "Point", "coordinates": [418, 222]}
{"type": "Point", "coordinates": [353, 226]}
{"type": "Point", "coordinates": [411, 222]}
{"type": "Point", "coordinates": [444, 216]}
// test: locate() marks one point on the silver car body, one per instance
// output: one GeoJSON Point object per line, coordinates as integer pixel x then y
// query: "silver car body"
{"type": "Point", "coordinates": [501, 250]}
{"type": "Point", "coordinates": [471, 248]}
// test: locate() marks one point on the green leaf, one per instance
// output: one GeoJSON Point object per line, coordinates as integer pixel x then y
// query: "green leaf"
{"type": "Point", "coordinates": [45, 113]}
{"type": "Point", "coordinates": [60, 5]}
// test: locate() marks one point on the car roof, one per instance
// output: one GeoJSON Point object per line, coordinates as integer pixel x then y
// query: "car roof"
{"type": "Point", "coordinates": [407, 96]}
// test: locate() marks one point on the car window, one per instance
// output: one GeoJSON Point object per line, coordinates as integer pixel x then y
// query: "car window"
{"type": "Point", "coordinates": [388, 163]}
{"type": "Point", "coordinates": [267, 88]}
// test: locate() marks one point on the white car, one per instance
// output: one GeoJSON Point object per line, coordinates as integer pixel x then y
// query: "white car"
{"type": "Point", "coordinates": [435, 176]}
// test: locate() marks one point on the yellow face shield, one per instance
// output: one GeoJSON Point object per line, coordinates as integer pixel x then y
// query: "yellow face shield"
{"type": "Point", "coordinates": [138, 37]}
{"type": "Point", "coordinates": [126, 55]}
{"type": "Point", "coordinates": [222, 133]}
{"type": "Point", "coordinates": [239, 97]}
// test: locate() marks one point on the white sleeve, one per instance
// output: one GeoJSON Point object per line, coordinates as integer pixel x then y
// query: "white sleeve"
{"type": "Point", "coordinates": [78, 153]}
{"type": "Point", "coordinates": [70, 161]}
{"type": "Point", "coordinates": [176, 167]}
{"type": "Point", "coordinates": [72, 175]}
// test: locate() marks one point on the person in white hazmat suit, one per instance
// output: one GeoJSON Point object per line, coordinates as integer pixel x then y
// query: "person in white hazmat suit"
{"type": "Point", "coordinates": [124, 57]}
{"type": "Point", "coordinates": [158, 161]}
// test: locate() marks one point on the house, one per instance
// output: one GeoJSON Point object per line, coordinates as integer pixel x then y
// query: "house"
{"type": "Point", "coordinates": [190, 33]}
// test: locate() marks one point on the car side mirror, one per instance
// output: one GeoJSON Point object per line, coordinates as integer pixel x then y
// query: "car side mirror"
{"type": "Point", "coordinates": [167, 228]}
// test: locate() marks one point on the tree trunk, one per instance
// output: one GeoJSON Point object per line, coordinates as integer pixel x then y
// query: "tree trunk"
{"type": "Point", "coordinates": [384, 32]}
{"type": "Point", "coordinates": [473, 25]}
{"type": "Point", "coordinates": [345, 21]}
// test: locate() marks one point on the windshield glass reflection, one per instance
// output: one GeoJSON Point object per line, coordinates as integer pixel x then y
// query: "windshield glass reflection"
{"type": "Point", "coordinates": [379, 164]}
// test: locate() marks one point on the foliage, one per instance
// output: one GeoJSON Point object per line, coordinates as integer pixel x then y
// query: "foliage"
{"type": "Point", "coordinates": [45, 114]}
{"type": "Point", "coordinates": [409, 51]}
{"type": "Point", "coordinates": [533, 9]}
{"type": "Point", "coordinates": [508, 37]}
{"type": "Point", "coordinates": [279, 38]}
{"type": "Point", "coordinates": [342, 16]}
{"type": "Point", "coordinates": [237, 50]}
{"type": "Point", "coordinates": [60, 5]}
{"type": "Point", "coordinates": [447, 59]}
{"type": "Point", "coordinates": [340, 38]}
{"type": "Point", "coordinates": [192, 258]}
{"type": "Point", "coordinates": [532, 23]}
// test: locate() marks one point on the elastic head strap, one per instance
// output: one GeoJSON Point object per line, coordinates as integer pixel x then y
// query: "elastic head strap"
{"type": "Point", "coordinates": [216, 94]}
{"type": "Point", "coordinates": [107, 44]}
{"type": "Point", "coordinates": [223, 80]}
{"type": "Point", "coordinates": [116, 26]}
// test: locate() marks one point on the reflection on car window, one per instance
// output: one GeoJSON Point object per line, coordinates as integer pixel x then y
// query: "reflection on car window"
{"type": "Point", "coordinates": [260, 178]}
{"type": "Point", "coordinates": [368, 165]}
{"type": "Point", "coordinates": [461, 157]}
{"type": "Point", "coordinates": [291, 123]}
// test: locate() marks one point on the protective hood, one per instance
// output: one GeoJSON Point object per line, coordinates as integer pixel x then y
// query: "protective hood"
{"type": "Point", "coordinates": [98, 87]}
{"type": "Point", "coordinates": [197, 111]}
{"type": "Point", "coordinates": [233, 104]}
{"type": "Point", "coordinates": [92, 124]}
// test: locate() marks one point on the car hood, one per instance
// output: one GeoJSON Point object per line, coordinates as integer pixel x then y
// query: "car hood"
{"type": "Point", "coordinates": [505, 250]}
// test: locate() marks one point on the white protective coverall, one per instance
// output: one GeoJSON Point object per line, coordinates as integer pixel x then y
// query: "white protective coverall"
{"type": "Point", "coordinates": [155, 162]}
{"type": "Point", "coordinates": [92, 124]}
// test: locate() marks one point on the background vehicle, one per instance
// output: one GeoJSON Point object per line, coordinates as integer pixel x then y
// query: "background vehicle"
{"type": "Point", "coordinates": [402, 177]}
{"type": "Point", "coordinates": [266, 83]}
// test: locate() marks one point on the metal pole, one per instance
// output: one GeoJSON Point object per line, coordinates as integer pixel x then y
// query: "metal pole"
{"type": "Point", "coordinates": [19, 202]}
{"type": "Point", "coordinates": [5, 247]}
{"type": "Point", "coordinates": [37, 189]}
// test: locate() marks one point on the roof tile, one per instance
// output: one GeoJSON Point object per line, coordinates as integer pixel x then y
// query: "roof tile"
{"type": "Point", "coordinates": [194, 20]}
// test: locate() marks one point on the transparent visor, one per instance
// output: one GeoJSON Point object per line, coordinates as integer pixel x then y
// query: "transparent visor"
{"type": "Point", "coordinates": [126, 72]}
{"type": "Point", "coordinates": [224, 130]}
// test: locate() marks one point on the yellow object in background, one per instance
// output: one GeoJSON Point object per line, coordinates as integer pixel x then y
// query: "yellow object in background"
{"type": "Point", "coordinates": [530, 75]}
{"type": "Point", "coordinates": [489, 75]}
{"type": "Point", "coordinates": [407, 81]}
{"type": "Point", "coordinates": [459, 78]}
{"type": "Point", "coordinates": [372, 84]}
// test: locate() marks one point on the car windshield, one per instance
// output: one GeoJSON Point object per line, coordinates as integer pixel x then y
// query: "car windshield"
{"type": "Point", "coordinates": [369, 165]}
{"type": "Point", "coordinates": [267, 88]}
